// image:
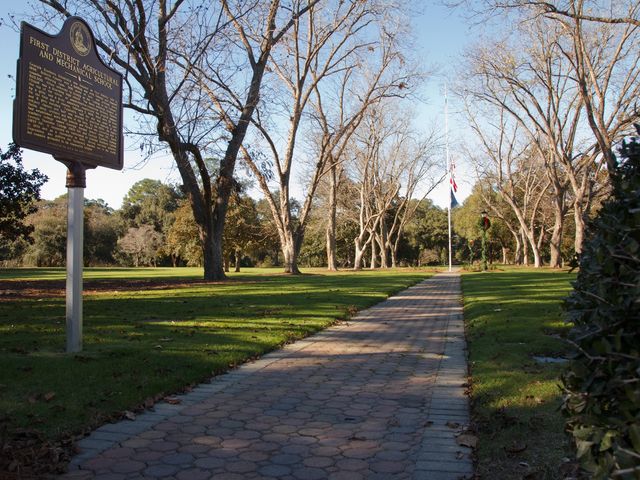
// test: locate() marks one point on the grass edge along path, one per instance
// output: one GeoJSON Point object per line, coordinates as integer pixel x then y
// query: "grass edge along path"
{"type": "Point", "coordinates": [512, 315]}
{"type": "Point", "coordinates": [143, 344]}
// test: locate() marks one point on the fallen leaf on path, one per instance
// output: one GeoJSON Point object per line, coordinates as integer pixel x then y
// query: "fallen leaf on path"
{"type": "Point", "coordinates": [467, 440]}
{"type": "Point", "coordinates": [452, 424]}
{"type": "Point", "coordinates": [129, 415]}
{"type": "Point", "coordinates": [173, 401]}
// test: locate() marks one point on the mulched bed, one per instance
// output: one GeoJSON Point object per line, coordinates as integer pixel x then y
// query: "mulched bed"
{"type": "Point", "coordinates": [28, 455]}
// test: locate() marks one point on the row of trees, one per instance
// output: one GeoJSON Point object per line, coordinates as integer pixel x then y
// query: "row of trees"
{"type": "Point", "coordinates": [548, 103]}
{"type": "Point", "coordinates": [312, 91]}
{"type": "Point", "coordinates": [282, 88]}
{"type": "Point", "coordinates": [155, 226]}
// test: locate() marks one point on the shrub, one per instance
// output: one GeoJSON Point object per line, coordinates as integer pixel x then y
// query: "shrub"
{"type": "Point", "coordinates": [602, 382]}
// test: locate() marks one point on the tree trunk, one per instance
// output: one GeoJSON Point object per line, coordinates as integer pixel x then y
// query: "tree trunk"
{"type": "Point", "coordinates": [357, 259]}
{"type": "Point", "coordinates": [525, 249]}
{"type": "Point", "coordinates": [505, 260]}
{"type": "Point", "coordinates": [578, 215]}
{"type": "Point", "coordinates": [360, 250]}
{"type": "Point", "coordinates": [536, 257]}
{"type": "Point", "coordinates": [554, 246]}
{"type": "Point", "coordinates": [374, 260]}
{"type": "Point", "coordinates": [331, 221]}
{"type": "Point", "coordinates": [237, 260]}
{"type": "Point", "coordinates": [535, 249]}
{"type": "Point", "coordinates": [290, 250]}
{"type": "Point", "coordinates": [382, 243]}
{"type": "Point", "coordinates": [555, 243]}
{"type": "Point", "coordinates": [207, 254]}
{"type": "Point", "coordinates": [517, 256]}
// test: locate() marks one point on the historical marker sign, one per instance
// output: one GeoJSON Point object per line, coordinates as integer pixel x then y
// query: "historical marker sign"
{"type": "Point", "coordinates": [68, 102]}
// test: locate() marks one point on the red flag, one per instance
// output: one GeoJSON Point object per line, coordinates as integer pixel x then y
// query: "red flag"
{"type": "Point", "coordinates": [452, 176]}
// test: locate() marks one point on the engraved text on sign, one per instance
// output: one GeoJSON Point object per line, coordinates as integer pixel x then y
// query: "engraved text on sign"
{"type": "Point", "coordinates": [68, 102]}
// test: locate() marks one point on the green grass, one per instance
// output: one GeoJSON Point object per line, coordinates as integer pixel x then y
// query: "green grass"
{"type": "Point", "coordinates": [142, 343]}
{"type": "Point", "coordinates": [512, 315]}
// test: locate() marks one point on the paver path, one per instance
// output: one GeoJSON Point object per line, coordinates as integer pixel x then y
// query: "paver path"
{"type": "Point", "coordinates": [379, 397]}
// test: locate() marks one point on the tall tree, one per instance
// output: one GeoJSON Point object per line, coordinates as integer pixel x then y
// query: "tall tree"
{"type": "Point", "coordinates": [328, 47]}
{"type": "Point", "coordinates": [157, 44]}
{"type": "Point", "coordinates": [517, 172]}
{"type": "Point", "coordinates": [531, 81]}
{"type": "Point", "coordinates": [390, 163]}
{"type": "Point", "coordinates": [150, 202]}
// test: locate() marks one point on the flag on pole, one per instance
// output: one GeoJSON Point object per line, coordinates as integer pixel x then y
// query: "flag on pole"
{"type": "Point", "coordinates": [454, 202]}
{"type": "Point", "coordinates": [453, 186]}
{"type": "Point", "coordinates": [452, 177]}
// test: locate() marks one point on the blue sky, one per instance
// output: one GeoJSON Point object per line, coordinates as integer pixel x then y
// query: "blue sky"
{"type": "Point", "coordinates": [441, 35]}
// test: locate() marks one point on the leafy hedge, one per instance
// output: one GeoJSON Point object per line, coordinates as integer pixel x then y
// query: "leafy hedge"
{"type": "Point", "coordinates": [602, 382]}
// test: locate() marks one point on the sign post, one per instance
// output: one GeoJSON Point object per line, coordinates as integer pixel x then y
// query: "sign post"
{"type": "Point", "coordinates": [69, 104]}
{"type": "Point", "coordinates": [75, 240]}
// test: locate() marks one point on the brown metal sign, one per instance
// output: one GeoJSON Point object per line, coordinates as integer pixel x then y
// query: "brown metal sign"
{"type": "Point", "coordinates": [68, 102]}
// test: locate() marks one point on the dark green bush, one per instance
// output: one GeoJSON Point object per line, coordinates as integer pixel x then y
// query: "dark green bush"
{"type": "Point", "coordinates": [602, 382]}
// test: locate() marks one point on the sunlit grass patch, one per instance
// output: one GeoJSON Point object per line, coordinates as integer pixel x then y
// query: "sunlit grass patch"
{"type": "Point", "coordinates": [511, 317]}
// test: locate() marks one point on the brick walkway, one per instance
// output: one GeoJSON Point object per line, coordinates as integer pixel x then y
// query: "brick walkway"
{"type": "Point", "coordinates": [380, 397]}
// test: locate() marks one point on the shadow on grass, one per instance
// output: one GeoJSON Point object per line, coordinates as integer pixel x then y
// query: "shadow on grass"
{"type": "Point", "coordinates": [140, 344]}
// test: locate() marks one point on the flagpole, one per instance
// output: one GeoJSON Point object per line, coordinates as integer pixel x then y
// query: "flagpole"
{"type": "Point", "coordinates": [446, 137]}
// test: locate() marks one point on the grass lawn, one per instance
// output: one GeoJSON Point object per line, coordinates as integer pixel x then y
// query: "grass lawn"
{"type": "Point", "coordinates": [512, 315]}
{"type": "Point", "coordinates": [146, 340]}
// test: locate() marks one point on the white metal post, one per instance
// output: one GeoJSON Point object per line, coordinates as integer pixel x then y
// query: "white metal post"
{"type": "Point", "coordinates": [75, 237]}
{"type": "Point", "coordinates": [446, 141]}
{"type": "Point", "coordinates": [449, 220]}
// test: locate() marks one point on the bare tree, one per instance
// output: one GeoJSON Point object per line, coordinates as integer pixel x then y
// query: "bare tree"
{"type": "Point", "coordinates": [517, 172]}
{"type": "Point", "coordinates": [157, 45]}
{"type": "Point", "coordinates": [619, 12]}
{"type": "Point", "coordinates": [389, 166]}
{"type": "Point", "coordinates": [603, 49]}
{"type": "Point", "coordinates": [536, 87]}
{"type": "Point", "coordinates": [338, 110]}
{"type": "Point", "coordinates": [420, 176]}
{"type": "Point", "coordinates": [327, 47]}
{"type": "Point", "coordinates": [606, 62]}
